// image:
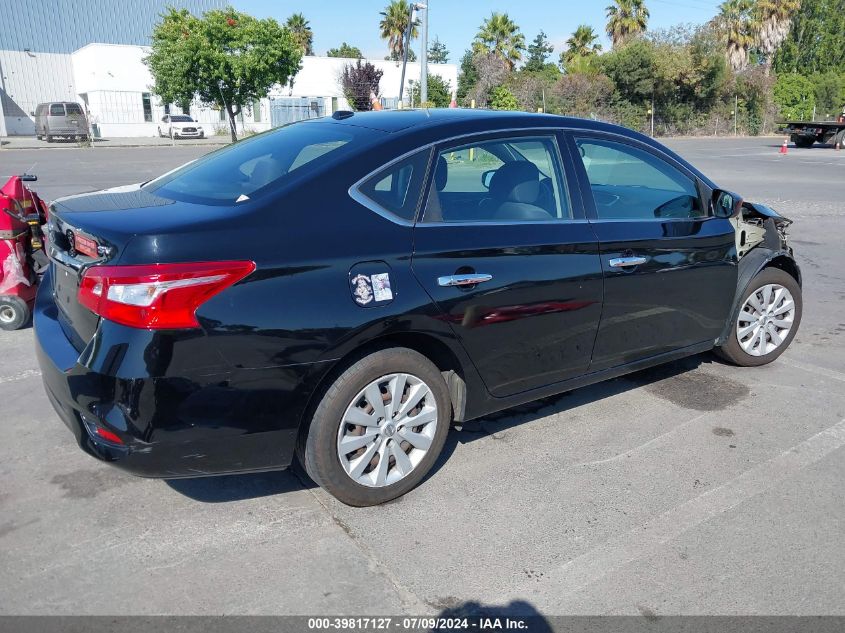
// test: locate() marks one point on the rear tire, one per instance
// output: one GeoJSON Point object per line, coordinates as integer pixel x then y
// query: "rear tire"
{"type": "Point", "coordinates": [394, 452]}
{"type": "Point", "coordinates": [14, 313]}
{"type": "Point", "coordinates": [49, 138]}
{"type": "Point", "coordinates": [765, 317]}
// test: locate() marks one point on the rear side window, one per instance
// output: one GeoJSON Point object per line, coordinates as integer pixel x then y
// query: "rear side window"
{"type": "Point", "coordinates": [632, 184]}
{"type": "Point", "coordinates": [57, 109]}
{"type": "Point", "coordinates": [253, 167]}
{"type": "Point", "coordinates": [396, 189]}
{"type": "Point", "coordinates": [73, 108]}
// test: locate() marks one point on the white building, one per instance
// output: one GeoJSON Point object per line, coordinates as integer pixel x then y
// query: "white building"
{"type": "Point", "coordinates": [45, 55]}
{"type": "Point", "coordinates": [113, 83]}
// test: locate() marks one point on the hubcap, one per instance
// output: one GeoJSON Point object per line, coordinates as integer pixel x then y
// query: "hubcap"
{"type": "Point", "coordinates": [387, 430]}
{"type": "Point", "coordinates": [7, 314]}
{"type": "Point", "coordinates": [765, 320]}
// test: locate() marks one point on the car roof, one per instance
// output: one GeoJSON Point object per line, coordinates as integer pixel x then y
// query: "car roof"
{"type": "Point", "coordinates": [453, 121]}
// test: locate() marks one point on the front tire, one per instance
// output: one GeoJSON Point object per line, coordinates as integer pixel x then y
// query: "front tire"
{"type": "Point", "coordinates": [14, 313]}
{"type": "Point", "coordinates": [379, 428]}
{"type": "Point", "coordinates": [767, 321]}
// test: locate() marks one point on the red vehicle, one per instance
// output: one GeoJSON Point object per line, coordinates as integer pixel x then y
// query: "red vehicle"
{"type": "Point", "coordinates": [22, 255]}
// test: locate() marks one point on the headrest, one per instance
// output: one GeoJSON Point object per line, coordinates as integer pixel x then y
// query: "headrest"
{"type": "Point", "coordinates": [441, 174]}
{"type": "Point", "coordinates": [518, 181]}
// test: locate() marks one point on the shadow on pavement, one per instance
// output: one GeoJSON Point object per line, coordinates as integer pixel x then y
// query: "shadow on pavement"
{"type": "Point", "coordinates": [228, 488]}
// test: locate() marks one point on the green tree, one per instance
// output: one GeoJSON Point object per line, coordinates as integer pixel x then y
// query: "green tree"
{"type": "Point", "coordinates": [775, 19]}
{"type": "Point", "coordinates": [829, 89]}
{"type": "Point", "coordinates": [501, 98]}
{"type": "Point", "coordinates": [738, 25]}
{"type": "Point", "coordinates": [581, 44]}
{"type": "Point", "coordinates": [816, 42]}
{"type": "Point", "coordinates": [538, 52]}
{"type": "Point", "coordinates": [501, 36]}
{"type": "Point", "coordinates": [345, 50]}
{"type": "Point", "coordinates": [439, 92]}
{"type": "Point", "coordinates": [226, 58]}
{"type": "Point", "coordinates": [437, 52]}
{"type": "Point", "coordinates": [393, 25]}
{"type": "Point", "coordinates": [467, 76]}
{"type": "Point", "coordinates": [633, 69]}
{"type": "Point", "coordinates": [625, 19]}
{"type": "Point", "coordinates": [301, 33]}
{"type": "Point", "coordinates": [795, 96]}
{"type": "Point", "coordinates": [359, 81]}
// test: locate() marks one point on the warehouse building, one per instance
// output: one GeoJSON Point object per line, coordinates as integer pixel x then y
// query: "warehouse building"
{"type": "Point", "coordinates": [91, 52]}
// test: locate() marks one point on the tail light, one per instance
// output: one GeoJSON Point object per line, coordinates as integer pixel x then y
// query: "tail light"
{"type": "Point", "coordinates": [157, 296]}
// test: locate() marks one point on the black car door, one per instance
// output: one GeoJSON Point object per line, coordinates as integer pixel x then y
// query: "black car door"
{"type": "Point", "coordinates": [670, 267]}
{"type": "Point", "coordinates": [504, 250]}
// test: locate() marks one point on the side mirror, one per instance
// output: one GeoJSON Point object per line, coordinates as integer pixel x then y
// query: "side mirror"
{"type": "Point", "coordinates": [487, 178]}
{"type": "Point", "coordinates": [726, 204]}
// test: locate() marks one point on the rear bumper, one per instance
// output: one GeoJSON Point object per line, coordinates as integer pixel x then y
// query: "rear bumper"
{"type": "Point", "coordinates": [185, 426]}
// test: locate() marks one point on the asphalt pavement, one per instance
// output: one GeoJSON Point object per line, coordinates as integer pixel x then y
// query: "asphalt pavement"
{"type": "Point", "coordinates": [693, 488]}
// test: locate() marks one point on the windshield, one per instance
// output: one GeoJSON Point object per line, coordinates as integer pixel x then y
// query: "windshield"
{"type": "Point", "coordinates": [248, 169]}
{"type": "Point", "coordinates": [181, 118]}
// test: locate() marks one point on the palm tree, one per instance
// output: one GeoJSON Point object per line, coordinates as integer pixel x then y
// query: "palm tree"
{"type": "Point", "coordinates": [625, 19]}
{"type": "Point", "coordinates": [774, 21]}
{"type": "Point", "coordinates": [582, 44]}
{"type": "Point", "coordinates": [301, 33]}
{"type": "Point", "coordinates": [394, 24]}
{"type": "Point", "coordinates": [738, 24]}
{"type": "Point", "coordinates": [501, 36]}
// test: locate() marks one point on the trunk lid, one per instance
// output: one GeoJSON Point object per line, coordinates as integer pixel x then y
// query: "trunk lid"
{"type": "Point", "coordinates": [91, 229]}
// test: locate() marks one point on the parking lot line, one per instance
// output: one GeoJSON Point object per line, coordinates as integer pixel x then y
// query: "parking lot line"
{"type": "Point", "coordinates": [646, 539]}
{"type": "Point", "coordinates": [815, 369]}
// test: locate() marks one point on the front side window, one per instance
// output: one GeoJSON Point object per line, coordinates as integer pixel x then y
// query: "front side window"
{"type": "Point", "coordinates": [632, 184]}
{"type": "Point", "coordinates": [501, 180]}
{"type": "Point", "coordinates": [250, 168]}
{"type": "Point", "coordinates": [396, 188]}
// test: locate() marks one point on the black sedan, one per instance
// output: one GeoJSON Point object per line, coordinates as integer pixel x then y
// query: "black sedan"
{"type": "Point", "coordinates": [343, 289]}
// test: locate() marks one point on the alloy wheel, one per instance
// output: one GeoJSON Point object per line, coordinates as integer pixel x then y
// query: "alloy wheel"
{"type": "Point", "coordinates": [765, 320]}
{"type": "Point", "coordinates": [387, 430]}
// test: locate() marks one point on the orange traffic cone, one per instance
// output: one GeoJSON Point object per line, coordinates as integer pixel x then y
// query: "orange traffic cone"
{"type": "Point", "coordinates": [784, 148]}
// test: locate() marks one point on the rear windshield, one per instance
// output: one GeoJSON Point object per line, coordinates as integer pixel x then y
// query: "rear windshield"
{"type": "Point", "coordinates": [57, 109]}
{"type": "Point", "coordinates": [73, 108]}
{"type": "Point", "coordinates": [253, 167]}
{"type": "Point", "coordinates": [180, 118]}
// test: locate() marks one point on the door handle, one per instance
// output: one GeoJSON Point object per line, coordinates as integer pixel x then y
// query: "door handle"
{"type": "Point", "coordinates": [463, 280]}
{"type": "Point", "coordinates": [624, 262]}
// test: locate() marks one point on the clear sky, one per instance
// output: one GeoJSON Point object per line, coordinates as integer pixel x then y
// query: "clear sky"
{"type": "Point", "coordinates": [456, 21]}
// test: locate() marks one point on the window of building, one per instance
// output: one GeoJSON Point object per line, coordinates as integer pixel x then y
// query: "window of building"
{"type": "Point", "coordinates": [629, 183]}
{"type": "Point", "coordinates": [148, 107]}
{"type": "Point", "coordinates": [256, 111]}
{"type": "Point", "coordinates": [396, 189]}
{"type": "Point", "coordinates": [517, 179]}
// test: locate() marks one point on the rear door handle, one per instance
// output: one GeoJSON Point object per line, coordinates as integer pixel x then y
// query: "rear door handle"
{"type": "Point", "coordinates": [624, 262]}
{"type": "Point", "coordinates": [463, 280]}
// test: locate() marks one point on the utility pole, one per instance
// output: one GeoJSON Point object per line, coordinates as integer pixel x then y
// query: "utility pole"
{"type": "Point", "coordinates": [424, 56]}
{"type": "Point", "coordinates": [736, 115]}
